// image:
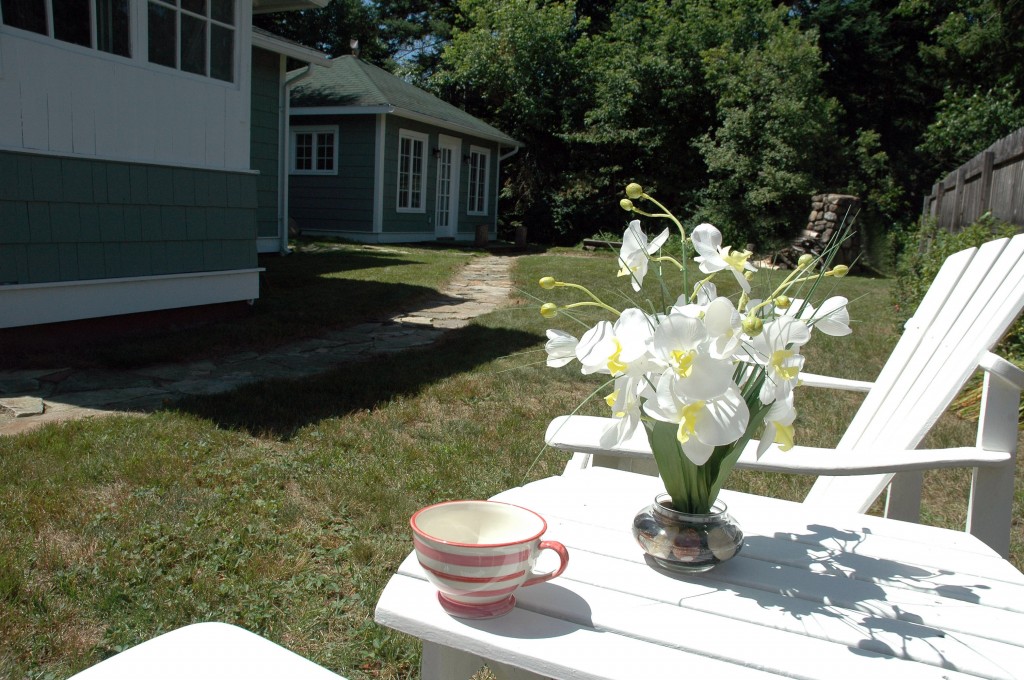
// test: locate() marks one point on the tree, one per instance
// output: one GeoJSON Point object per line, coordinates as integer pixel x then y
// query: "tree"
{"type": "Point", "coordinates": [516, 65]}
{"type": "Point", "coordinates": [769, 149]}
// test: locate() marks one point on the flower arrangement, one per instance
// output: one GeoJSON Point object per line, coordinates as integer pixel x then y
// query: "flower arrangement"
{"type": "Point", "coordinates": [705, 374]}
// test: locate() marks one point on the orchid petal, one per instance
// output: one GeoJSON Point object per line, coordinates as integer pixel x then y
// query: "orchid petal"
{"type": "Point", "coordinates": [561, 348]}
{"type": "Point", "coordinates": [833, 318]}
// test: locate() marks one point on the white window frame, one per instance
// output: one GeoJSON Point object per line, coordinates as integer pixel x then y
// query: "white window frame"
{"type": "Point", "coordinates": [93, 29]}
{"type": "Point", "coordinates": [316, 131]}
{"type": "Point", "coordinates": [210, 22]}
{"type": "Point", "coordinates": [475, 203]}
{"type": "Point", "coordinates": [408, 193]}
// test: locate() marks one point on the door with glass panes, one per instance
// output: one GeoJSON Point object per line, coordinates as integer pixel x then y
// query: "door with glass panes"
{"type": "Point", "coordinates": [446, 217]}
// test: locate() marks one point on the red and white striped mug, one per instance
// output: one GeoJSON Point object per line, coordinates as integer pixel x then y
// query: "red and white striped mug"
{"type": "Point", "coordinates": [478, 553]}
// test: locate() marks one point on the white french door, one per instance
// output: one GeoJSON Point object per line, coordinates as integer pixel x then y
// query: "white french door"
{"type": "Point", "coordinates": [446, 216]}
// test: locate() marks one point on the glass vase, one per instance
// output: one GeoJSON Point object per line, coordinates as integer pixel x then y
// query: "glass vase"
{"type": "Point", "coordinates": [687, 542]}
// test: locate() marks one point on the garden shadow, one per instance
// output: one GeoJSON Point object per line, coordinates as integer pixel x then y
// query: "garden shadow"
{"type": "Point", "coordinates": [279, 408]}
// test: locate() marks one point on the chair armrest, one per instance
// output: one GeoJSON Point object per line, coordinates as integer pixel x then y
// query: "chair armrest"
{"type": "Point", "coordinates": [876, 460]}
{"type": "Point", "coordinates": [582, 434]}
{"type": "Point", "coordinates": [997, 366]}
{"type": "Point", "coordinates": [816, 380]}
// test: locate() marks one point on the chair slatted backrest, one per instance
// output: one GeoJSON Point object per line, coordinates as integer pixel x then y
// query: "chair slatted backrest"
{"type": "Point", "coordinates": [975, 297]}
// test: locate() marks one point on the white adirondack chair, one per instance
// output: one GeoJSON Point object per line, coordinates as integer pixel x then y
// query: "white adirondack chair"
{"type": "Point", "coordinates": [975, 297]}
{"type": "Point", "coordinates": [207, 651]}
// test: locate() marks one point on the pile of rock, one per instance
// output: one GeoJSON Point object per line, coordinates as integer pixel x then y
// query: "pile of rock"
{"type": "Point", "coordinates": [828, 213]}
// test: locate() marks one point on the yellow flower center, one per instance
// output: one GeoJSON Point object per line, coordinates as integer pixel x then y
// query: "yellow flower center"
{"type": "Point", "coordinates": [736, 259]}
{"type": "Point", "coordinates": [684, 361]}
{"type": "Point", "coordinates": [777, 362]}
{"type": "Point", "coordinates": [689, 419]}
{"type": "Point", "coordinates": [784, 436]}
{"type": "Point", "coordinates": [614, 365]}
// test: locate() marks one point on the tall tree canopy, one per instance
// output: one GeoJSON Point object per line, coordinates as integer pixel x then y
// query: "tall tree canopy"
{"type": "Point", "coordinates": [733, 110]}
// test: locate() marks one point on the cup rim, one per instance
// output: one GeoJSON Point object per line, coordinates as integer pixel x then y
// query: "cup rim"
{"type": "Point", "coordinates": [416, 530]}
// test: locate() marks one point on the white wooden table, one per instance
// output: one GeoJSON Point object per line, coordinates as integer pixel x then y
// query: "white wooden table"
{"type": "Point", "coordinates": [811, 595]}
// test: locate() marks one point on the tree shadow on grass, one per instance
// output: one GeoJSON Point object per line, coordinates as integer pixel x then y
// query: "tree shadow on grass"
{"type": "Point", "coordinates": [279, 408]}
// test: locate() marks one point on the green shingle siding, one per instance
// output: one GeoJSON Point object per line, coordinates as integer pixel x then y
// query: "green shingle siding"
{"type": "Point", "coordinates": [263, 137]}
{"type": "Point", "coordinates": [341, 202]}
{"type": "Point", "coordinates": [66, 219]}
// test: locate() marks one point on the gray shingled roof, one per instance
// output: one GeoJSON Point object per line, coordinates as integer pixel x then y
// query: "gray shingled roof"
{"type": "Point", "coordinates": [352, 83]}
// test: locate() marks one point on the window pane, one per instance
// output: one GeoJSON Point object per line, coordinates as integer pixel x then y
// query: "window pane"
{"type": "Point", "coordinates": [113, 30]}
{"type": "Point", "coordinates": [71, 21]}
{"type": "Point", "coordinates": [163, 35]}
{"type": "Point", "coordinates": [223, 11]}
{"type": "Point", "coordinates": [222, 53]}
{"type": "Point", "coordinates": [303, 151]}
{"type": "Point", "coordinates": [325, 152]}
{"type": "Point", "coordinates": [193, 45]}
{"type": "Point", "coordinates": [29, 15]}
{"type": "Point", "coordinates": [196, 6]}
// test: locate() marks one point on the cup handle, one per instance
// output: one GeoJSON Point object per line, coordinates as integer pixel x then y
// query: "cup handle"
{"type": "Point", "coordinates": [563, 555]}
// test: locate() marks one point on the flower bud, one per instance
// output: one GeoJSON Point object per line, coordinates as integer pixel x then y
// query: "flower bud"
{"type": "Point", "coordinates": [547, 283]}
{"type": "Point", "coordinates": [782, 302]}
{"type": "Point", "coordinates": [805, 261]}
{"type": "Point", "coordinates": [626, 205]}
{"type": "Point", "coordinates": [549, 310]}
{"type": "Point", "coordinates": [748, 275]}
{"type": "Point", "coordinates": [839, 271]}
{"type": "Point", "coordinates": [752, 325]}
{"type": "Point", "coordinates": [634, 190]}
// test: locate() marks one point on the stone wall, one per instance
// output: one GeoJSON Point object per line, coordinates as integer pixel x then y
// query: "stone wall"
{"type": "Point", "coordinates": [828, 212]}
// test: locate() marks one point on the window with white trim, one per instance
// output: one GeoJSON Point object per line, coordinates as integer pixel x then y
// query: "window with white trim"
{"type": "Point", "coordinates": [314, 150]}
{"type": "Point", "coordinates": [411, 171]}
{"type": "Point", "coordinates": [101, 24]}
{"type": "Point", "coordinates": [197, 37]}
{"type": "Point", "coordinates": [479, 167]}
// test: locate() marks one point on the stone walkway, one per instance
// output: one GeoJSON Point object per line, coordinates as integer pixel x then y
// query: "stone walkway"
{"type": "Point", "coordinates": [31, 398]}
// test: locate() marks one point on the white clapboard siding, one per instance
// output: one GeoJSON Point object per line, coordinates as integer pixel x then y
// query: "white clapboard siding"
{"type": "Point", "coordinates": [64, 99]}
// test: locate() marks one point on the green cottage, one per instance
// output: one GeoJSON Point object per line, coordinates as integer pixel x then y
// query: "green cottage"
{"type": "Point", "coordinates": [377, 160]}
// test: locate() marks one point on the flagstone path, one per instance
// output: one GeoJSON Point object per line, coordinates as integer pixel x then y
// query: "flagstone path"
{"type": "Point", "coordinates": [31, 398]}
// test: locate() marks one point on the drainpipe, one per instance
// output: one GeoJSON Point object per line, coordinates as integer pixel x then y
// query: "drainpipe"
{"type": "Point", "coordinates": [513, 152]}
{"type": "Point", "coordinates": [284, 109]}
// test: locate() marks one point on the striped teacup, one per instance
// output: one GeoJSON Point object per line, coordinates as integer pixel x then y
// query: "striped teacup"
{"type": "Point", "coordinates": [477, 553]}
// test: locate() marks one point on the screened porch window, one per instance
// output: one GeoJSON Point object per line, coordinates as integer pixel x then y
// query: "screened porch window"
{"type": "Point", "coordinates": [100, 24]}
{"type": "Point", "coordinates": [197, 37]}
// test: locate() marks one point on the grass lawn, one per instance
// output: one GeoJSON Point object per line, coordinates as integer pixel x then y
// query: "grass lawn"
{"type": "Point", "coordinates": [283, 507]}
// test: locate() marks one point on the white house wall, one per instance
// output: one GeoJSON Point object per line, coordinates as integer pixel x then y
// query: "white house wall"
{"type": "Point", "coordinates": [59, 98]}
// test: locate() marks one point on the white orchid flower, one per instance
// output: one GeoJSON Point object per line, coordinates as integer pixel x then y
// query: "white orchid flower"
{"type": "Point", "coordinates": [702, 424]}
{"type": "Point", "coordinates": [703, 295]}
{"type": "Point", "coordinates": [724, 326]}
{"type": "Point", "coordinates": [617, 348]}
{"type": "Point", "coordinates": [777, 348]}
{"type": "Point", "coordinates": [778, 425]}
{"type": "Point", "coordinates": [636, 252]}
{"type": "Point", "coordinates": [713, 257]}
{"type": "Point", "coordinates": [681, 345]}
{"type": "Point", "coordinates": [561, 348]}
{"type": "Point", "coordinates": [625, 401]}
{"type": "Point", "coordinates": [832, 317]}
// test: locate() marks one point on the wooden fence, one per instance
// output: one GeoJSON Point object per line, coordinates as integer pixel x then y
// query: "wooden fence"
{"type": "Point", "coordinates": [992, 181]}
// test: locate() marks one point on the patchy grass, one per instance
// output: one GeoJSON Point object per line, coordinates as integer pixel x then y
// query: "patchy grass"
{"type": "Point", "coordinates": [283, 507]}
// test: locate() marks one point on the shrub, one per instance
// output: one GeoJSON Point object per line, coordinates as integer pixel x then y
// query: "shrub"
{"type": "Point", "coordinates": [920, 261]}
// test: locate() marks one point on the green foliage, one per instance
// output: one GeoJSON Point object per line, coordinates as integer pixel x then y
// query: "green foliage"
{"type": "Point", "coordinates": [919, 265]}
{"type": "Point", "coordinates": [763, 157]}
{"type": "Point", "coordinates": [968, 122]}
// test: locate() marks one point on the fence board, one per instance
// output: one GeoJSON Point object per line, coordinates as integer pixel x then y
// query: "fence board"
{"type": "Point", "coordinates": [992, 181]}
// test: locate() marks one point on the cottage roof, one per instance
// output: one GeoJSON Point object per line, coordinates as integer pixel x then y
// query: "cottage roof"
{"type": "Point", "coordinates": [354, 86]}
